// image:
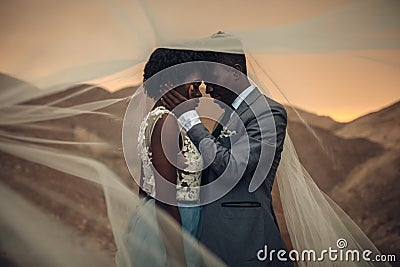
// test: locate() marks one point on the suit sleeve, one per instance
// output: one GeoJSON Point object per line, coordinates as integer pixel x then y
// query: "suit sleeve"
{"type": "Point", "coordinates": [266, 132]}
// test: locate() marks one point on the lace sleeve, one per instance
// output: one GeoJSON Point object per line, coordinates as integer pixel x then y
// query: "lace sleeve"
{"type": "Point", "coordinates": [188, 180]}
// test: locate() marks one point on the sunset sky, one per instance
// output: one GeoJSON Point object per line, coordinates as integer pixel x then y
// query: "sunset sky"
{"type": "Point", "coordinates": [336, 58]}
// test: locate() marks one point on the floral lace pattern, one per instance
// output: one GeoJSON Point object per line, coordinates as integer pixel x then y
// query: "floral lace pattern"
{"type": "Point", "coordinates": [188, 182]}
{"type": "Point", "coordinates": [226, 132]}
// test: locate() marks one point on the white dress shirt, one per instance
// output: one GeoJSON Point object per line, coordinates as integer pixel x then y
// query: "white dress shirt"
{"type": "Point", "coordinates": [191, 118]}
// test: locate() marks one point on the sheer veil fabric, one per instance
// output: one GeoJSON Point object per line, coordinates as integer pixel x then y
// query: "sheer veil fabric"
{"type": "Point", "coordinates": [64, 55]}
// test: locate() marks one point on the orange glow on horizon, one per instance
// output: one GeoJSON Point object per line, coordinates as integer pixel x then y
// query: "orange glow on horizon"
{"type": "Point", "coordinates": [342, 117]}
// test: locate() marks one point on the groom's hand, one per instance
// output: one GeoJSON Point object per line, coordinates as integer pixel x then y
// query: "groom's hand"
{"type": "Point", "coordinates": [177, 103]}
{"type": "Point", "coordinates": [183, 108]}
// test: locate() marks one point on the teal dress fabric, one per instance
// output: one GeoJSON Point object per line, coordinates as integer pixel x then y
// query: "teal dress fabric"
{"type": "Point", "coordinates": [143, 245]}
{"type": "Point", "coordinates": [190, 217]}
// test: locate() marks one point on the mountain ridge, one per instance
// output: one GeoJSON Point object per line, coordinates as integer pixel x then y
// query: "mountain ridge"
{"type": "Point", "coordinates": [357, 170]}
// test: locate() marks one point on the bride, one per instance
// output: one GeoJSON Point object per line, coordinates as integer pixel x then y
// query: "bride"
{"type": "Point", "coordinates": [147, 225]}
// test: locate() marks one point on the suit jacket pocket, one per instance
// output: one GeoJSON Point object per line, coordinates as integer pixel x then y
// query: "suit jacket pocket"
{"type": "Point", "coordinates": [241, 209]}
{"type": "Point", "coordinates": [241, 204]}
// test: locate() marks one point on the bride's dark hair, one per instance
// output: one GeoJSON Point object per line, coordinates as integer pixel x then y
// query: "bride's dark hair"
{"type": "Point", "coordinates": [163, 58]}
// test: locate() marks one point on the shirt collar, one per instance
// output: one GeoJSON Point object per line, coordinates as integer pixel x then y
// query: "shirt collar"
{"type": "Point", "coordinates": [239, 99]}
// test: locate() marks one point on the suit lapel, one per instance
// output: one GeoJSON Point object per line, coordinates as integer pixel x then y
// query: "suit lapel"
{"type": "Point", "coordinates": [226, 118]}
{"type": "Point", "coordinates": [221, 121]}
{"type": "Point", "coordinates": [246, 103]}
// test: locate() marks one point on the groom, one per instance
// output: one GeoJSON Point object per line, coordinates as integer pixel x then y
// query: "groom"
{"type": "Point", "coordinates": [245, 147]}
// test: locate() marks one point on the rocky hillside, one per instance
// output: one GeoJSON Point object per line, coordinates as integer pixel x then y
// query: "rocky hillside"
{"type": "Point", "coordinates": [356, 163]}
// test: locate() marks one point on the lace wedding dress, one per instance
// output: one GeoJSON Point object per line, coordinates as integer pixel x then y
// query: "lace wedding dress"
{"type": "Point", "coordinates": [142, 234]}
{"type": "Point", "coordinates": [188, 182]}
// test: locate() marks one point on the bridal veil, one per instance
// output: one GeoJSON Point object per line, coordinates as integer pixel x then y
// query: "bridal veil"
{"type": "Point", "coordinates": [107, 43]}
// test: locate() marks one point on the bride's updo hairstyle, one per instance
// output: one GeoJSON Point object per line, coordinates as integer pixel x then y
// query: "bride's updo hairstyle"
{"type": "Point", "coordinates": [161, 59]}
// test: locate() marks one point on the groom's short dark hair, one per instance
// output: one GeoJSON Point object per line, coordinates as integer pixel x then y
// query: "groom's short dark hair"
{"type": "Point", "coordinates": [230, 59]}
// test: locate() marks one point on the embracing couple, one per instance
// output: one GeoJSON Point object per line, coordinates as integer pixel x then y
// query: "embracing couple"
{"type": "Point", "coordinates": [211, 172]}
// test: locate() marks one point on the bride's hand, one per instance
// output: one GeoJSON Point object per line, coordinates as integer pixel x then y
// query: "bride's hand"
{"type": "Point", "coordinates": [177, 103]}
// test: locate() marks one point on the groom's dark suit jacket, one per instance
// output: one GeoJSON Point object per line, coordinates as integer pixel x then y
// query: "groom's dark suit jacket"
{"type": "Point", "coordinates": [236, 226]}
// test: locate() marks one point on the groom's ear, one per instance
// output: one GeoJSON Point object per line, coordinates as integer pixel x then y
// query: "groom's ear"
{"type": "Point", "coordinates": [237, 72]}
{"type": "Point", "coordinates": [238, 67]}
